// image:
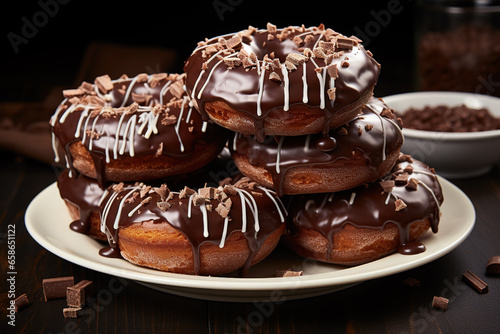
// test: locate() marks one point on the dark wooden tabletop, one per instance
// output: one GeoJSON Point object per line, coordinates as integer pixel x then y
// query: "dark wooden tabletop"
{"type": "Point", "coordinates": [384, 305]}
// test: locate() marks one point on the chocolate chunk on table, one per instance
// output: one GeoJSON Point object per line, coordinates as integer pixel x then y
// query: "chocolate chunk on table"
{"type": "Point", "coordinates": [54, 288]}
{"type": "Point", "coordinates": [21, 302]}
{"type": "Point", "coordinates": [72, 312]}
{"type": "Point", "coordinates": [474, 282]}
{"type": "Point", "coordinates": [77, 294]}
{"type": "Point", "coordinates": [440, 303]}
{"type": "Point", "coordinates": [493, 265]}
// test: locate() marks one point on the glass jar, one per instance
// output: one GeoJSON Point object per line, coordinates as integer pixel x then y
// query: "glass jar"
{"type": "Point", "coordinates": [458, 46]}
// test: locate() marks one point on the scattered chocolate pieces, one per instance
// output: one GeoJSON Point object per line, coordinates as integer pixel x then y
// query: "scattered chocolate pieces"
{"type": "Point", "coordinates": [104, 83]}
{"type": "Point", "coordinates": [493, 265]}
{"type": "Point", "coordinates": [450, 119]}
{"type": "Point", "coordinates": [21, 302]}
{"type": "Point", "coordinates": [77, 294]}
{"type": "Point", "coordinates": [72, 312]}
{"type": "Point", "coordinates": [54, 288]}
{"type": "Point", "coordinates": [474, 282]}
{"type": "Point", "coordinates": [387, 185]}
{"type": "Point", "coordinates": [440, 303]}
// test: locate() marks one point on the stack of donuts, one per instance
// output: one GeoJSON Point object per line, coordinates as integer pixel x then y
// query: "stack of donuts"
{"type": "Point", "coordinates": [295, 108]}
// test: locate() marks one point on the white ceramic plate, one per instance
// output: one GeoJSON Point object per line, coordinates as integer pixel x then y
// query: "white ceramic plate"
{"type": "Point", "coordinates": [47, 221]}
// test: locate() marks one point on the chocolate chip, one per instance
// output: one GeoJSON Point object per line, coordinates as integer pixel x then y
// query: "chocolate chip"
{"type": "Point", "coordinates": [412, 184]}
{"type": "Point", "coordinates": [54, 288]}
{"type": "Point", "coordinates": [387, 185]}
{"type": "Point", "coordinates": [104, 83]}
{"type": "Point", "coordinates": [474, 282]}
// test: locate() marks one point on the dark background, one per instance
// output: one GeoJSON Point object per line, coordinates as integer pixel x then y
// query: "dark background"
{"type": "Point", "coordinates": [53, 55]}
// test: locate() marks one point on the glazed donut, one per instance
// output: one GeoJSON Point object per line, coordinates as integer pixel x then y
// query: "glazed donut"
{"type": "Point", "coordinates": [361, 151]}
{"type": "Point", "coordinates": [368, 222]}
{"type": "Point", "coordinates": [82, 196]}
{"type": "Point", "coordinates": [211, 231]}
{"type": "Point", "coordinates": [130, 129]}
{"type": "Point", "coordinates": [286, 82]}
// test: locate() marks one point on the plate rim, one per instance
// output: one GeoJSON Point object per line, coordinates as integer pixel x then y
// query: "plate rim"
{"type": "Point", "coordinates": [319, 280]}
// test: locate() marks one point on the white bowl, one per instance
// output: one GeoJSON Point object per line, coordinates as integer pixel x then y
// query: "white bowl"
{"type": "Point", "coordinates": [452, 154]}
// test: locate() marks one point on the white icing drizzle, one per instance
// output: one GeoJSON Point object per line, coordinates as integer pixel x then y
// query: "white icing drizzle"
{"type": "Point", "coordinates": [203, 210]}
{"type": "Point", "coordinates": [253, 207]}
{"type": "Point", "coordinates": [278, 153]}
{"type": "Point", "coordinates": [190, 202]}
{"type": "Point", "coordinates": [224, 233]}
{"type": "Point", "coordinates": [188, 117]}
{"type": "Point", "coordinates": [92, 130]}
{"type": "Point", "coordinates": [83, 115]}
{"type": "Point", "coordinates": [164, 90]}
{"type": "Point", "coordinates": [53, 119]}
{"type": "Point", "coordinates": [321, 79]}
{"type": "Point", "coordinates": [130, 129]}
{"type": "Point", "coordinates": [204, 126]}
{"type": "Point", "coordinates": [351, 200]}
{"type": "Point", "coordinates": [305, 96]}
{"type": "Point", "coordinates": [57, 158]}
{"type": "Point", "coordinates": [282, 217]}
{"type": "Point", "coordinates": [433, 196]}
{"type": "Point", "coordinates": [307, 143]}
{"type": "Point", "coordinates": [211, 72]}
{"type": "Point", "coordinates": [243, 213]}
{"type": "Point", "coordinates": [117, 136]}
{"type": "Point", "coordinates": [129, 89]}
{"type": "Point", "coordinates": [261, 90]}
{"type": "Point", "coordinates": [286, 88]}
{"type": "Point", "coordinates": [108, 159]}
{"type": "Point", "coordinates": [116, 223]}
{"type": "Point", "coordinates": [308, 204]}
{"type": "Point", "coordinates": [330, 197]}
{"type": "Point", "coordinates": [179, 124]}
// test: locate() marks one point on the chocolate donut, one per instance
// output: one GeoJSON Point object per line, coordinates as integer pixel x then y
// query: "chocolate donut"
{"type": "Point", "coordinates": [287, 82]}
{"type": "Point", "coordinates": [368, 222]}
{"type": "Point", "coordinates": [133, 129]}
{"type": "Point", "coordinates": [361, 151]}
{"type": "Point", "coordinates": [211, 231]}
{"type": "Point", "coordinates": [82, 196]}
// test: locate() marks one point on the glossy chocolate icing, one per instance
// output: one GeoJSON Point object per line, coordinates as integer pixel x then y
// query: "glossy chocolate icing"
{"type": "Point", "coordinates": [246, 90]}
{"type": "Point", "coordinates": [189, 219]}
{"type": "Point", "coordinates": [369, 206]}
{"type": "Point", "coordinates": [117, 130]}
{"type": "Point", "coordinates": [84, 193]}
{"type": "Point", "coordinates": [279, 155]}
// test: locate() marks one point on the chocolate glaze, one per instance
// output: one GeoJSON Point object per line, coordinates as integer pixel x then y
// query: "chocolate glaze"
{"type": "Point", "coordinates": [239, 87]}
{"type": "Point", "coordinates": [316, 150]}
{"type": "Point", "coordinates": [371, 207]}
{"type": "Point", "coordinates": [74, 122]}
{"type": "Point", "coordinates": [271, 214]}
{"type": "Point", "coordinates": [84, 193]}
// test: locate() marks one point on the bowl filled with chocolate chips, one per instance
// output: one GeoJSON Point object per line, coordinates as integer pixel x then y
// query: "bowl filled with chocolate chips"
{"type": "Point", "coordinates": [456, 133]}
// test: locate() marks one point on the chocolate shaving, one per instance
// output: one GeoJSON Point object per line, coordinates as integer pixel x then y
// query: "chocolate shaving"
{"type": "Point", "coordinates": [104, 83]}
{"type": "Point", "coordinates": [275, 77]}
{"type": "Point", "coordinates": [331, 93]}
{"type": "Point", "coordinates": [368, 127]}
{"type": "Point", "coordinates": [271, 27]}
{"type": "Point", "coordinates": [207, 192]}
{"type": "Point", "coordinates": [159, 151]}
{"type": "Point", "coordinates": [163, 206]}
{"type": "Point", "coordinates": [186, 192]}
{"type": "Point", "coordinates": [401, 179]}
{"type": "Point", "coordinates": [69, 93]}
{"type": "Point", "coordinates": [296, 59]}
{"type": "Point", "coordinates": [288, 273]}
{"type": "Point", "coordinates": [412, 184]}
{"type": "Point", "coordinates": [387, 185]}
{"type": "Point", "coordinates": [169, 120]}
{"type": "Point", "coordinates": [399, 204]}
{"type": "Point", "coordinates": [232, 62]}
{"type": "Point", "coordinates": [163, 191]}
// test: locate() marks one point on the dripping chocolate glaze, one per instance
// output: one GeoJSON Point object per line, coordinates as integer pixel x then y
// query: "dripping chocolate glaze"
{"type": "Point", "coordinates": [372, 207]}
{"type": "Point", "coordinates": [82, 192]}
{"type": "Point", "coordinates": [177, 139]}
{"type": "Point", "coordinates": [270, 216]}
{"type": "Point", "coordinates": [239, 87]}
{"type": "Point", "coordinates": [314, 150]}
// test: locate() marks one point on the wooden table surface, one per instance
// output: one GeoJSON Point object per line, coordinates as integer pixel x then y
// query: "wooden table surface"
{"type": "Point", "coordinates": [383, 305]}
